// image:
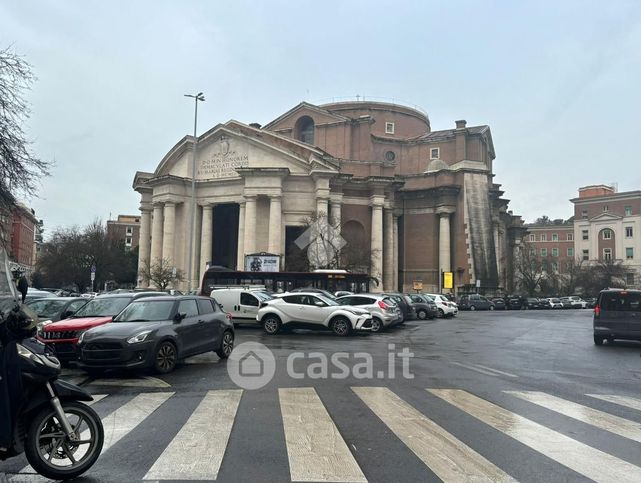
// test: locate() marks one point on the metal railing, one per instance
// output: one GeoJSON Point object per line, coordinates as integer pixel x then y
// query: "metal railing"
{"type": "Point", "coordinates": [359, 98]}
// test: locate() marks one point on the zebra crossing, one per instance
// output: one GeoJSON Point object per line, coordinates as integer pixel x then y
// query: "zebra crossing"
{"type": "Point", "coordinates": [317, 447]}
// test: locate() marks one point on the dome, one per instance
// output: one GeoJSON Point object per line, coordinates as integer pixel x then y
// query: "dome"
{"type": "Point", "coordinates": [437, 165]}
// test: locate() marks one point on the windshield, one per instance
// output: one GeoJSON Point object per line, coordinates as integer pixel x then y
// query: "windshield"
{"type": "Point", "coordinates": [106, 307]}
{"type": "Point", "coordinates": [262, 296]}
{"type": "Point", "coordinates": [47, 308]}
{"type": "Point", "coordinates": [327, 300]}
{"type": "Point", "coordinates": [146, 311]}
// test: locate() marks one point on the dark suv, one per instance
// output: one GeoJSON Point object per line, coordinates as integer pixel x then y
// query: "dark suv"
{"type": "Point", "coordinates": [617, 315]}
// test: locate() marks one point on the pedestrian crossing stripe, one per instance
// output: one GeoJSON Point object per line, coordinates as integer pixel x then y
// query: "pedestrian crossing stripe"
{"type": "Point", "coordinates": [585, 460]}
{"type": "Point", "coordinates": [317, 451]}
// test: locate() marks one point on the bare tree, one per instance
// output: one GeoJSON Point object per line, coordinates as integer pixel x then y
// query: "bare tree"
{"type": "Point", "coordinates": [161, 273]}
{"type": "Point", "coordinates": [529, 269]}
{"type": "Point", "coordinates": [20, 169]}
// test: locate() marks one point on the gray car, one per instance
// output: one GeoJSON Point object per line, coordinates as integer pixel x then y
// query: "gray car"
{"type": "Point", "coordinates": [385, 312]}
{"type": "Point", "coordinates": [155, 333]}
{"type": "Point", "coordinates": [617, 315]}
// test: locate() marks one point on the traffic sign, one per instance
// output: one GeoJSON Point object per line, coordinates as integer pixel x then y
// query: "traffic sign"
{"type": "Point", "coordinates": [93, 276]}
{"type": "Point", "coordinates": [93, 269]}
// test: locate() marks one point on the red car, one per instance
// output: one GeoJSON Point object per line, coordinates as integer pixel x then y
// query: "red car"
{"type": "Point", "coordinates": [62, 336]}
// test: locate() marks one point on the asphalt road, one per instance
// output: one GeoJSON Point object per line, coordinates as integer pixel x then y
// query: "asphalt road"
{"type": "Point", "coordinates": [492, 396]}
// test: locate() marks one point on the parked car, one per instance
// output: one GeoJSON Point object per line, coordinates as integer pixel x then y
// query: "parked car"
{"type": "Point", "coordinates": [62, 336]}
{"type": "Point", "coordinates": [241, 303]}
{"type": "Point", "coordinates": [33, 294]}
{"type": "Point", "coordinates": [156, 332]}
{"type": "Point", "coordinates": [499, 303]}
{"type": "Point", "coordinates": [311, 310]}
{"type": "Point", "coordinates": [325, 293]}
{"type": "Point", "coordinates": [53, 309]}
{"type": "Point", "coordinates": [553, 303]}
{"type": "Point", "coordinates": [424, 307]}
{"type": "Point", "coordinates": [406, 309]}
{"type": "Point", "coordinates": [385, 312]}
{"type": "Point", "coordinates": [617, 315]}
{"type": "Point", "coordinates": [475, 302]}
{"type": "Point", "coordinates": [514, 302]}
{"type": "Point", "coordinates": [591, 302]}
{"type": "Point", "coordinates": [342, 293]}
{"type": "Point", "coordinates": [531, 303]}
{"type": "Point", "coordinates": [445, 307]}
{"type": "Point", "coordinates": [578, 302]}
{"type": "Point", "coordinates": [566, 302]}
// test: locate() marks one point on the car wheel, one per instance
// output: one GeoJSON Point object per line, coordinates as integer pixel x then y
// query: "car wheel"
{"type": "Point", "coordinates": [610, 340]}
{"type": "Point", "coordinates": [226, 345]}
{"type": "Point", "coordinates": [166, 358]}
{"type": "Point", "coordinates": [491, 307]}
{"type": "Point", "coordinates": [441, 313]}
{"type": "Point", "coordinates": [341, 326]}
{"type": "Point", "coordinates": [598, 340]}
{"type": "Point", "coordinates": [472, 307]}
{"type": "Point", "coordinates": [271, 324]}
{"type": "Point", "coordinates": [421, 314]}
{"type": "Point", "coordinates": [377, 325]}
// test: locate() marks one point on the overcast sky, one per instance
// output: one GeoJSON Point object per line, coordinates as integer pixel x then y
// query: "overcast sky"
{"type": "Point", "coordinates": [558, 82]}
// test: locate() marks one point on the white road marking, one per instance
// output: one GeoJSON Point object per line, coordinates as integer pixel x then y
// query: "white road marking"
{"type": "Point", "coordinates": [121, 421]}
{"type": "Point", "coordinates": [488, 371]}
{"type": "Point", "coordinates": [608, 422]}
{"type": "Point", "coordinates": [197, 451]}
{"type": "Point", "coordinates": [585, 460]}
{"type": "Point", "coordinates": [628, 402]}
{"type": "Point", "coordinates": [445, 455]}
{"type": "Point", "coordinates": [145, 381]}
{"type": "Point", "coordinates": [96, 398]}
{"type": "Point", "coordinates": [316, 450]}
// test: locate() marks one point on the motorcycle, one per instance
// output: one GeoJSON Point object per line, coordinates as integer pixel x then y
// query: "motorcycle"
{"type": "Point", "coordinates": [44, 417]}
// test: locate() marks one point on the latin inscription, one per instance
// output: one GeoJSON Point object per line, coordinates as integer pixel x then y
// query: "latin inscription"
{"type": "Point", "coordinates": [222, 165]}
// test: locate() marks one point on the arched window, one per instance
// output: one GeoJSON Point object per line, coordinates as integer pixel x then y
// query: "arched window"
{"type": "Point", "coordinates": [305, 129]}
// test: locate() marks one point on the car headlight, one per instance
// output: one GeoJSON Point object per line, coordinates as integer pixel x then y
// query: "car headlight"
{"type": "Point", "coordinates": [27, 354]}
{"type": "Point", "coordinates": [81, 335]}
{"type": "Point", "coordinates": [138, 337]}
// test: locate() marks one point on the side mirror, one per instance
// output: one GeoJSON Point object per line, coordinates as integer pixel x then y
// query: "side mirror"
{"type": "Point", "coordinates": [179, 317]}
{"type": "Point", "coordinates": [319, 304]}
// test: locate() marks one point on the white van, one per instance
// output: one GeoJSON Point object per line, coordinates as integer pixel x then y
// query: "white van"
{"type": "Point", "coordinates": [241, 303]}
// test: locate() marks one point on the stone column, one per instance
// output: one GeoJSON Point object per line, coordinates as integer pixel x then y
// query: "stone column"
{"type": "Point", "coordinates": [497, 250]}
{"type": "Point", "coordinates": [206, 237]}
{"type": "Point", "coordinates": [395, 256]}
{"type": "Point", "coordinates": [144, 243]}
{"type": "Point", "coordinates": [195, 261]}
{"type": "Point", "coordinates": [388, 253]}
{"type": "Point", "coordinates": [240, 263]}
{"type": "Point", "coordinates": [275, 228]}
{"type": "Point", "coordinates": [322, 205]}
{"type": "Point", "coordinates": [444, 249]}
{"type": "Point", "coordinates": [336, 208]}
{"type": "Point", "coordinates": [156, 233]}
{"type": "Point", "coordinates": [250, 224]}
{"type": "Point", "coordinates": [376, 269]}
{"type": "Point", "coordinates": [168, 231]}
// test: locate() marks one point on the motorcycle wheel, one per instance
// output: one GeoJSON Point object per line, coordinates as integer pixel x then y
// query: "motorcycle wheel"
{"type": "Point", "coordinates": [52, 454]}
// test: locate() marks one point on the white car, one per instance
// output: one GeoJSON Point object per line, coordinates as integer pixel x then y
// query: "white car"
{"type": "Point", "coordinates": [241, 303]}
{"type": "Point", "coordinates": [446, 308]}
{"type": "Point", "coordinates": [577, 302]}
{"type": "Point", "coordinates": [311, 310]}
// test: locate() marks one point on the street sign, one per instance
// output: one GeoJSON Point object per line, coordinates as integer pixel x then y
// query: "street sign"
{"type": "Point", "coordinates": [93, 276]}
{"type": "Point", "coordinates": [478, 283]}
{"type": "Point", "coordinates": [448, 280]}
{"type": "Point", "coordinates": [93, 269]}
{"type": "Point", "coordinates": [417, 285]}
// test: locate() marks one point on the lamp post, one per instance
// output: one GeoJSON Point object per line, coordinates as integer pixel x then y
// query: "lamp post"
{"type": "Point", "coordinates": [192, 211]}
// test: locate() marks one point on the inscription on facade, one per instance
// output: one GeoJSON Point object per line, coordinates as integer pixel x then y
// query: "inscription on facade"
{"type": "Point", "coordinates": [222, 164]}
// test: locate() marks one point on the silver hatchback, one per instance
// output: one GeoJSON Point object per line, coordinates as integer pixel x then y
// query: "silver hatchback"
{"type": "Point", "coordinates": [385, 312]}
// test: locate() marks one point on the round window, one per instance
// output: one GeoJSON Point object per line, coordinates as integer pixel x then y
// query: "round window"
{"type": "Point", "coordinates": [390, 156]}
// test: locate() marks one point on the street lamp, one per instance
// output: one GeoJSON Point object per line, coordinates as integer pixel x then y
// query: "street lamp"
{"type": "Point", "coordinates": [192, 212]}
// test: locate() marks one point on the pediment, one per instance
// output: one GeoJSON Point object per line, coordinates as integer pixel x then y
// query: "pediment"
{"type": "Point", "coordinates": [227, 147]}
{"type": "Point", "coordinates": [318, 114]}
{"type": "Point", "coordinates": [606, 217]}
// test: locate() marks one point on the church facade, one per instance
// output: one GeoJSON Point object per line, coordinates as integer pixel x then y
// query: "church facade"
{"type": "Point", "coordinates": [418, 202]}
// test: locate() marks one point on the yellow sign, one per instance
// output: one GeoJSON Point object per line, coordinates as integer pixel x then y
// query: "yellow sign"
{"type": "Point", "coordinates": [448, 280]}
{"type": "Point", "coordinates": [418, 284]}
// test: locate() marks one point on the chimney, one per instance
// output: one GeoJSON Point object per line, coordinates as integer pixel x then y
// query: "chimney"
{"type": "Point", "coordinates": [255, 125]}
{"type": "Point", "coordinates": [461, 124]}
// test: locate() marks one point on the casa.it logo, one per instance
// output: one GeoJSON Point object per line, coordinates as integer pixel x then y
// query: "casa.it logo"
{"type": "Point", "coordinates": [323, 243]}
{"type": "Point", "coordinates": [251, 365]}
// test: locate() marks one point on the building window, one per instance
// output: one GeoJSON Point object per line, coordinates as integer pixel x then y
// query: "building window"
{"type": "Point", "coordinates": [555, 266]}
{"type": "Point", "coordinates": [628, 210]}
{"type": "Point", "coordinates": [570, 252]}
{"type": "Point", "coordinates": [130, 230]}
{"type": "Point", "coordinates": [544, 237]}
{"type": "Point", "coordinates": [570, 236]}
{"type": "Point", "coordinates": [389, 128]}
{"type": "Point", "coordinates": [629, 253]}
{"type": "Point", "coordinates": [586, 255]}
{"type": "Point", "coordinates": [306, 129]}
{"type": "Point", "coordinates": [435, 153]}
{"type": "Point", "coordinates": [128, 241]}
{"type": "Point", "coordinates": [532, 237]}
{"type": "Point", "coordinates": [629, 232]}
{"type": "Point", "coordinates": [584, 234]}
{"type": "Point", "coordinates": [605, 208]}
{"type": "Point", "coordinates": [584, 214]}
{"type": "Point", "coordinates": [607, 254]}
{"type": "Point", "coordinates": [544, 252]}
{"type": "Point", "coordinates": [629, 278]}
{"type": "Point", "coordinates": [555, 237]}
{"type": "Point", "coordinates": [607, 234]}
{"type": "Point", "coordinates": [555, 252]}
